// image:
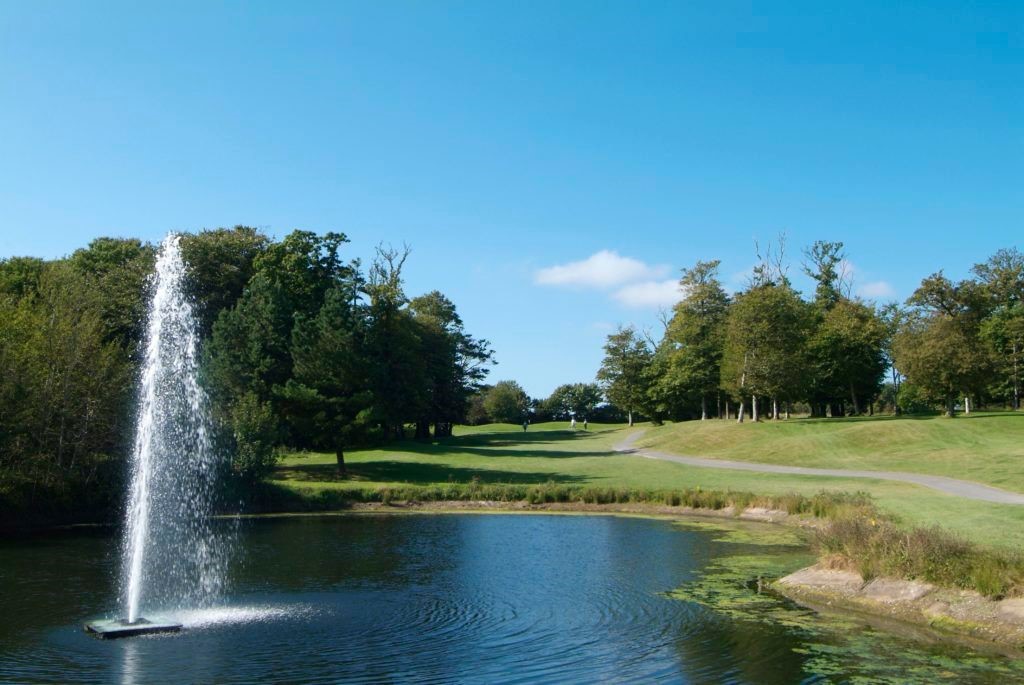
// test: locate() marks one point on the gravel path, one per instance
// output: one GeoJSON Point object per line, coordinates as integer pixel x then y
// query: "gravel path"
{"type": "Point", "coordinates": [950, 486]}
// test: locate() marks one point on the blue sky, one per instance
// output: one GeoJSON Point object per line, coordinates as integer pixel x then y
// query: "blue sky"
{"type": "Point", "coordinates": [552, 165]}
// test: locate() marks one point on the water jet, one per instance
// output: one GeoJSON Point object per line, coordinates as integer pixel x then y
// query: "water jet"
{"type": "Point", "coordinates": [171, 556]}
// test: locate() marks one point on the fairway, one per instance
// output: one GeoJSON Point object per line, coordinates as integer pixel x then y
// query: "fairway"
{"type": "Point", "coordinates": [551, 453]}
{"type": "Point", "coordinates": [983, 447]}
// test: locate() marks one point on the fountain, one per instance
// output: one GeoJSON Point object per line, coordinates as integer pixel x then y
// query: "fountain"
{"type": "Point", "coordinates": [170, 557]}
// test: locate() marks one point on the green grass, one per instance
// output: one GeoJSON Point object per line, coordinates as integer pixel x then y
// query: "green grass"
{"type": "Point", "coordinates": [548, 454]}
{"type": "Point", "coordinates": [983, 447]}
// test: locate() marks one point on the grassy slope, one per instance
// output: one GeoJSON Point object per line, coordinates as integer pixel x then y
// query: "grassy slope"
{"type": "Point", "coordinates": [987, 448]}
{"type": "Point", "coordinates": [507, 455]}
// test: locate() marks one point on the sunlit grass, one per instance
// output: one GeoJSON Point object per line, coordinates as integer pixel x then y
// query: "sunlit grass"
{"type": "Point", "coordinates": [586, 459]}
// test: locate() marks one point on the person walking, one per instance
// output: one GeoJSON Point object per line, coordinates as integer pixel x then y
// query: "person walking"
{"type": "Point", "coordinates": [584, 423]}
{"type": "Point", "coordinates": [526, 423]}
{"type": "Point", "coordinates": [572, 423]}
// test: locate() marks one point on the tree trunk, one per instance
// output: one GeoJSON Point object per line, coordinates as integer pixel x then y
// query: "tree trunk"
{"type": "Point", "coordinates": [951, 406]}
{"type": "Point", "coordinates": [775, 409]}
{"type": "Point", "coordinates": [630, 415]}
{"type": "Point", "coordinates": [718, 405]}
{"type": "Point", "coordinates": [1016, 381]}
{"type": "Point", "coordinates": [339, 454]}
{"type": "Point", "coordinates": [753, 409]}
{"type": "Point", "coordinates": [789, 409]}
{"type": "Point", "coordinates": [739, 415]}
{"type": "Point", "coordinates": [967, 405]}
{"type": "Point", "coordinates": [853, 397]}
{"type": "Point", "coordinates": [703, 407]}
{"type": "Point", "coordinates": [423, 430]}
{"type": "Point", "coordinates": [728, 412]}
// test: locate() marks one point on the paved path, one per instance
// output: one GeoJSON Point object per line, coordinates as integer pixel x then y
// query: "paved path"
{"type": "Point", "coordinates": [950, 486]}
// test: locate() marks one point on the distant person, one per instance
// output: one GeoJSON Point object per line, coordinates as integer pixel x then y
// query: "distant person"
{"type": "Point", "coordinates": [572, 423]}
{"type": "Point", "coordinates": [584, 423]}
{"type": "Point", "coordinates": [526, 424]}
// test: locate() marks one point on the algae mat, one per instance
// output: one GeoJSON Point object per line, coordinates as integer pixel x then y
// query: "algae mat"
{"type": "Point", "coordinates": [835, 647]}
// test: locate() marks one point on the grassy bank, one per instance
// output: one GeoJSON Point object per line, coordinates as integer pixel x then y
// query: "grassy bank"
{"type": "Point", "coordinates": [549, 454]}
{"type": "Point", "coordinates": [983, 447]}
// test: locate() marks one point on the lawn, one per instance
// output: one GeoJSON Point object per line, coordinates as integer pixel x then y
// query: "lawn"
{"type": "Point", "coordinates": [550, 453]}
{"type": "Point", "coordinates": [983, 447]}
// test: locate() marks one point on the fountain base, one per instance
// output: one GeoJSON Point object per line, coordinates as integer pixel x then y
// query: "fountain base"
{"type": "Point", "coordinates": [111, 629]}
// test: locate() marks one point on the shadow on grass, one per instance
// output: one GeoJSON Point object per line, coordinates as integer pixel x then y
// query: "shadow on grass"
{"type": "Point", "coordinates": [418, 473]}
{"type": "Point", "coordinates": [489, 442]}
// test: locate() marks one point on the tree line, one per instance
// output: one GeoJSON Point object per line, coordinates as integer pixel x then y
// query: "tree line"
{"type": "Point", "coordinates": [302, 346]}
{"type": "Point", "coordinates": [767, 351]}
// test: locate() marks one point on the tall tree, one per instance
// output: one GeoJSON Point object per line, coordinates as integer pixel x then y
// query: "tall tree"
{"type": "Point", "coordinates": [329, 396]}
{"type": "Point", "coordinates": [220, 264]}
{"type": "Point", "coordinates": [624, 373]}
{"type": "Point", "coordinates": [574, 399]}
{"type": "Point", "coordinates": [691, 349]}
{"type": "Point", "coordinates": [765, 356]}
{"type": "Point", "coordinates": [1002, 278]}
{"type": "Point", "coordinates": [455, 363]}
{"type": "Point", "coordinates": [939, 349]}
{"type": "Point", "coordinates": [397, 370]}
{"type": "Point", "coordinates": [506, 402]}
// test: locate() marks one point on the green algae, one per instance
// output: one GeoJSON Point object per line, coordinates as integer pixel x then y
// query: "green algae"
{"type": "Point", "coordinates": [835, 647]}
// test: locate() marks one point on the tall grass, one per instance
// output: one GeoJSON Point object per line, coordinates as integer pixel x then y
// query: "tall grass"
{"type": "Point", "coordinates": [877, 547]}
{"type": "Point", "coordinates": [274, 497]}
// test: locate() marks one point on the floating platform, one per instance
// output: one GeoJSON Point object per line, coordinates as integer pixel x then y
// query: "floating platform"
{"type": "Point", "coordinates": [110, 629]}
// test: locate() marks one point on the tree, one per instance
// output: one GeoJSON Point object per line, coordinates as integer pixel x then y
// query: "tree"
{"type": "Point", "coordinates": [1002, 278]}
{"type": "Point", "coordinates": [939, 349]}
{"type": "Point", "coordinates": [20, 276]}
{"type": "Point", "coordinates": [938, 357]}
{"type": "Point", "coordinates": [690, 354]}
{"type": "Point", "coordinates": [328, 398]}
{"type": "Point", "coordinates": [847, 353]}
{"type": "Point", "coordinates": [455, 363]}
{"type": "Point", "coordinates": [574, 399]}
{"type": "Point", "coordinates": [506, 402]}
{"type": "Point", "coordinates": [825, 265]}
{"type": "Point", "coordinates": [892, 317]}
{"type": "Point", "coordinates": [397, 369]}
{"type": "Point", "coordinates": [119, 269]}
{"type": "Point", "coordinates": [220, 264]}
{"type": "Point", "coordinates": [624, 371]}
{"type": "Point", "coordinates": [765, 338]}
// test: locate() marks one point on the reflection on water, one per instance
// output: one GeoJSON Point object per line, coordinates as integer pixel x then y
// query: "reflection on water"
{"type": "Point", "coordinates": [456, 599]}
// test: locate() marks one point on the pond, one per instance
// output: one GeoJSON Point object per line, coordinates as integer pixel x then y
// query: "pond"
{"type": "Point", "coordinates": [461, 598]}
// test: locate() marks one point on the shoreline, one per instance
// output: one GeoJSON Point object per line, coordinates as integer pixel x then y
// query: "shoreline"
{"type": "Point", "coordinates": [961, 616]}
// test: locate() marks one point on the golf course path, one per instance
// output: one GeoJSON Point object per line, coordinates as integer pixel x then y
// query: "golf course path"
{"type": "Point", "coordinates": [950, 486]}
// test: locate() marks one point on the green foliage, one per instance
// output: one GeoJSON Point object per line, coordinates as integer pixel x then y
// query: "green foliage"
{"type": "Point", "coordinates": [64, 389]}
{"type": "Point", "coordinates": [687, 363]}
{"type": "Point", "coordinates": [220, 264]}
{"type": "Point", "coordinates": [506, 402]}
{"type": "Point", "coordinates": [20, 276]}
{"type": "Point", "coordinates": [766, 333]}
{"type": "Point", "coordinates": [119, 269]}
{"type": "Point", "coordinates": [575, 399]}
{"type": "Point", "coordinates": [255, 434]}
{"type": "Point", "coordinates": [625, 371]}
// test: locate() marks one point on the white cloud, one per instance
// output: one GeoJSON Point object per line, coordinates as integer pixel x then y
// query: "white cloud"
{"type": "Point", "coordinates": [649, 294]}
{"type": "Point", "coordinates": [604, 269]}
{"type": "Point", "coordinates": [876, 290]}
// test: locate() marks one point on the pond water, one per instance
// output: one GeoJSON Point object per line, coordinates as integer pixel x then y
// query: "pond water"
{"type": "Point", "coordinates": [460, 598]}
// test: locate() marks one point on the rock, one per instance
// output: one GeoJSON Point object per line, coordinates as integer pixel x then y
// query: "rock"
{"type": "Point", "coordinates": [891, 590]}
{"type": "Point", "coordinates": [1011, 610]}
{"type": "Point", "coordinates": [842, 582]}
